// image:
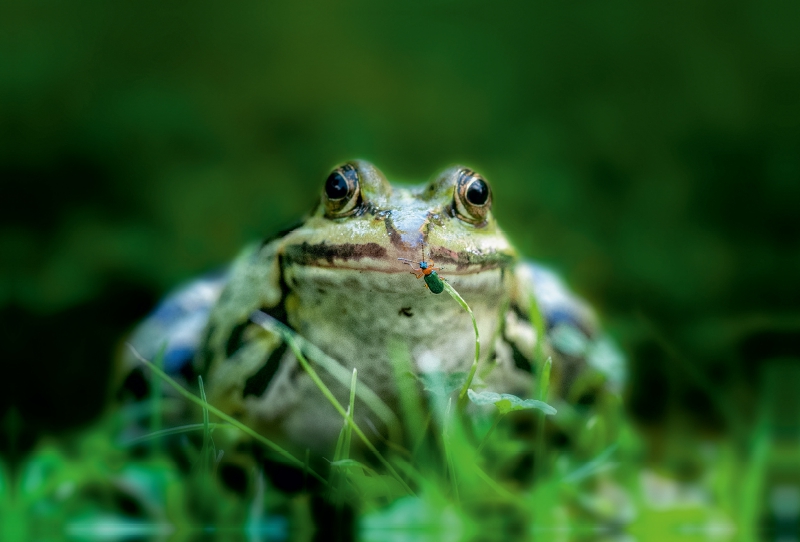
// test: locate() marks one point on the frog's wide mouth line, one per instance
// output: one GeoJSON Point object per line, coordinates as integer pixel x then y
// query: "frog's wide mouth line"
{"type": "Point", "coordinates": [376, 258]}
{"type": "Point", "coordinates": [392, 269]}
{"type": "Point", "coordinates": [389, 280]}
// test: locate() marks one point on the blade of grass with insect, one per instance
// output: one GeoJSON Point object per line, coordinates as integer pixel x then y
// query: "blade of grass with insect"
{"type": "Point", "coordinates": [462, 396]}
{"type": "Point", "coordinates": [232, 421]}
{"type": "Point", "coordinates": [295, 348]}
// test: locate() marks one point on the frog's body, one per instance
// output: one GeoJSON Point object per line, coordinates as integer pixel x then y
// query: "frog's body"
{"type": "Point", "coordinates": [338, 282]}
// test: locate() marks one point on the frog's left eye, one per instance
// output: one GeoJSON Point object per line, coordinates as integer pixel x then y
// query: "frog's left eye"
{"type": "Point", "coordinates": [342, 192]}
{"type": "Point", "coordinates": [473, 198]}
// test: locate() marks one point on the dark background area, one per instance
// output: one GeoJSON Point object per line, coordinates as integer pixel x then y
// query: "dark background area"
{"type": "Point", "coordinates": [650, 153]}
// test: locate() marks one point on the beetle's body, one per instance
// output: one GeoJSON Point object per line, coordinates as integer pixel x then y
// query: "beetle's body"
{"type": "Point", "coordinates": [426, 269]}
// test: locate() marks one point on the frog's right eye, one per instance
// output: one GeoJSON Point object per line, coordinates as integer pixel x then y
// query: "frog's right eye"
{"type": "Point", "coordinates": [342, 192]}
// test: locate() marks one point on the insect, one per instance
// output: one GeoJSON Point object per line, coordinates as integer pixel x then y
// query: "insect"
{"type": "Point", "coordinates": [427, 270]}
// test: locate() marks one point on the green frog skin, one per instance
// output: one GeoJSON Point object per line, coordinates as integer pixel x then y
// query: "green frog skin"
{"type": "Point", "coordinates": [339, 281]}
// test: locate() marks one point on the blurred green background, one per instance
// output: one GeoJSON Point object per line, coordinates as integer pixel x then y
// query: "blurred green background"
{"type": "Point", "coordinates": [649, 152]}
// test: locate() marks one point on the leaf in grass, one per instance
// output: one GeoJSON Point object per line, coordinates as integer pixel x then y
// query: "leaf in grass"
{"type": "Point", "coordinates": [505, 402]}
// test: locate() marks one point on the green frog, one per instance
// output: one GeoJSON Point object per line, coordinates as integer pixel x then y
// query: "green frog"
{"type": "Point", "coordinates": [341, 280]}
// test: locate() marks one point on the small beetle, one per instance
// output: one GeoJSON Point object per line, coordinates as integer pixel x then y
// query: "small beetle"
{"type": "Point", "coordinates": [427, 270]}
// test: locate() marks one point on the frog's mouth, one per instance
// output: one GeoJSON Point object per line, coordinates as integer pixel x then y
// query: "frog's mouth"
{"type": "Point", "coordinates": [378, 258]}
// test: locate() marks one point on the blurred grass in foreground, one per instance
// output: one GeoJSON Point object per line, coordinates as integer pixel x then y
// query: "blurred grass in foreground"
{"type": "Point", "coordinates": [89, 487]}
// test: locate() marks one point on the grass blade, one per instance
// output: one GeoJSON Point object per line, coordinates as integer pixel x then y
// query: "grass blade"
{"type": "Point", "coordinates": [462, 396]}
{"type": "Point", "coordinates": [233, 421]}
{"type": "Point", "coordinates": [290, 340]}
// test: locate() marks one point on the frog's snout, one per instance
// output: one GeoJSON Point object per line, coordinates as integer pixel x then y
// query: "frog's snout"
{"type": "Point", "coordinates": [406, 231]}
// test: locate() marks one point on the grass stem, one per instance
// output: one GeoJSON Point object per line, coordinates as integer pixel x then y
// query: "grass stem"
{"type": "Point", "coordinates": [233, 421]}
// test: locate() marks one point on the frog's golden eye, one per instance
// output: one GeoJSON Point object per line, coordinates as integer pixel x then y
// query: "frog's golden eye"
{"type": "Point", "coordinates": [342, 192]}
{"type": "Point", "coordinates": [473, 198]}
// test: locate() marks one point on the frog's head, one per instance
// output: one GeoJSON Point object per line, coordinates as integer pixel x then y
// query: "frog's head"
{"type": "Point", "coordinates": [365, 223]}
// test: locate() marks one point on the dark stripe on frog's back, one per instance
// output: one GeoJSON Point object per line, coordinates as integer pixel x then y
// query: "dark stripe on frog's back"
{"type": "Point", "coordinates": [234, 340]}
{"type": "Point", "coordinates": [307, 254]}
{"type": "Point", "coordinates": [257, 383]}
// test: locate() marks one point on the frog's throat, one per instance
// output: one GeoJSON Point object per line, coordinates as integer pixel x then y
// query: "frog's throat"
{"type": "Point", "coordinates": [377, 258]}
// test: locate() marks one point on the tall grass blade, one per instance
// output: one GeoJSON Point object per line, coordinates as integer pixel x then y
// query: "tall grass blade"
{"type": "Point", "coordinates": [462, 396]}
{"type": "Point", "coordinates": [233, 421]}
{"type": "Point", "coordinates": [340, 373]}
{"type": "Point", "coordinates": [289, 338]}
{"type": "Point", "coordinates": [156, 414]}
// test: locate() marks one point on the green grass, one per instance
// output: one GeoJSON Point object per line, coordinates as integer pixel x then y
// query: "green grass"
{"type": "Point", "coordinates": [453, 480]}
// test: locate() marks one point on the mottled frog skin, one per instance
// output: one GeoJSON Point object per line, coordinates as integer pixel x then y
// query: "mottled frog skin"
{"type": "Point", "coordinates": [338, 281]}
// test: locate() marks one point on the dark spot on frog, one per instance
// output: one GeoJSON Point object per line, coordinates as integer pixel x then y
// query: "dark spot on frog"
{"type": "Point", "coordinates": [406, 311]}
{"type": "Point", "coordinates": [257, 383]}
{"type": "Point", "coordinates": [234, 341]}
{"type": "Point", "coordinates": [307, 254]}
{"type": "Point", "coordinates": [521, 361]}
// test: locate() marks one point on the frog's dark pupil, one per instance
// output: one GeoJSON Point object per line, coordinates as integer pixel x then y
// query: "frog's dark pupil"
{"type": "Point", "coordinates": [336, 186]}
{"type": "Point", "coordinates": [477, 192]}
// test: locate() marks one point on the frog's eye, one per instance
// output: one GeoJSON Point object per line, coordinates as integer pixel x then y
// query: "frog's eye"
{"type": "Point", "coordinates": [473, 198]}
{"type": "Point", "coordinates": [342, 192]}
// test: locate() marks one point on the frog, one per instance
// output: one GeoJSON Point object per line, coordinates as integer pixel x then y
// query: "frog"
{"type": "Point", "coordinates": [344, 279]}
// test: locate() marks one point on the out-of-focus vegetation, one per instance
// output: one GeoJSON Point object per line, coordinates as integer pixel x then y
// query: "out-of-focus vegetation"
{"type": "Point", "coordinates": [651, 153]}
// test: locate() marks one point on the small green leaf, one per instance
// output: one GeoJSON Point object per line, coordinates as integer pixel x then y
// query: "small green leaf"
{"type": "Point", "coordinates": [506, 402]}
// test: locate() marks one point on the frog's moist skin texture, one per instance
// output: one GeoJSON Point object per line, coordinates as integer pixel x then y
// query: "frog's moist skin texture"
{"type": "Point", "coordinates": [337, 280]}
